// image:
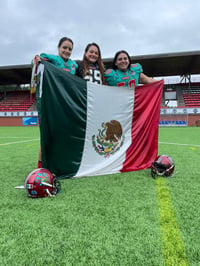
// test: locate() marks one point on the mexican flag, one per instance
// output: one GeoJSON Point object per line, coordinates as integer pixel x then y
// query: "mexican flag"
{"type": "Point", "coordinates": [88, 129]}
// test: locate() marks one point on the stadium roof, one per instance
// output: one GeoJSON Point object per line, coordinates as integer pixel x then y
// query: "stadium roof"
{"type": "Point", "coordinates": [157, 65]}
{"type": "Point", "coordinates": [171, 64]}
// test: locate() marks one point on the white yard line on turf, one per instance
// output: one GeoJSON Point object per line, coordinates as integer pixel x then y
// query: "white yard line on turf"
{"type": "Point", "coordinates": [16, 142]}
{"type": "Point", "coordinates": [166, 143]}
{"type": "Point", "coordinates": [178, 144]}
{"type": "Point", "coordinates": [20, 137]}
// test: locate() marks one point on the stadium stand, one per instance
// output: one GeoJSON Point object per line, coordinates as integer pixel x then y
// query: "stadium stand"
{"type": "Point", "coordinates": [192, 99]}
{"type": "Point", "coordinates": [191, 95]}
{"type": "Point", "coordinates": [17, 101]}
{"type": "Point", "coordinates": [187, 95]}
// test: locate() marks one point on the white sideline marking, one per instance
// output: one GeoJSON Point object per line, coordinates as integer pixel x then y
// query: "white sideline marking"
{"type": "Point", "coordinates": [16, 142]}
{"type": "Point", "coordinates": [179, 144]}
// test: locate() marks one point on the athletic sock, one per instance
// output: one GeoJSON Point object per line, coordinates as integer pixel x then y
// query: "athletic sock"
{"type": "Point", "coordinates": [39, 164]}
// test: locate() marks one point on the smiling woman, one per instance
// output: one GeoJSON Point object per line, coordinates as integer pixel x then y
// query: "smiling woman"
{"type": "Point", "coordinates": [91, 68]}
{"type": "Point", "coordinates": [62, 60]}
{"type": "Point", "coordinates": [123, 73]}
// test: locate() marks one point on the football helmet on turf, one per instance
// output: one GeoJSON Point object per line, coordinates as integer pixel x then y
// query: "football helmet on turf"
{"type": "Point", "coordinates": [163, 166]}
{"type": "Point", "coordinates": [41, 183]}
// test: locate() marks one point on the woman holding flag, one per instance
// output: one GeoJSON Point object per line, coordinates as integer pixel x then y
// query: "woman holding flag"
{"type": "Point", "coordinates": [62, 60]}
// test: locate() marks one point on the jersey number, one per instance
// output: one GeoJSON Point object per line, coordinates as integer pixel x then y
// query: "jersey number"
{"type": "Point", "coordinates": [131, 83]}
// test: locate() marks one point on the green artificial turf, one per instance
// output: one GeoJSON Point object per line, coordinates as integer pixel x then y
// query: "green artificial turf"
{"type": "Point", "coordinates": [120, 219]}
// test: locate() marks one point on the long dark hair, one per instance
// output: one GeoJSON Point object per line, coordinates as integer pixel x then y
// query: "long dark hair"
{"type": "Point", "coordinates": [86, 63]}
{"type": "Point", "coordinates": [115, 59]}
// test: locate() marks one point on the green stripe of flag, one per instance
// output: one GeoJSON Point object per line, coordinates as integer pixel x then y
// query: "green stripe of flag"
{"type": "Point", "coordinates": [62, 119]}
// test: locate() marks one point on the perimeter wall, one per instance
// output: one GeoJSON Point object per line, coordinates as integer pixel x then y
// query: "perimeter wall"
{"type": "Point", "coordinates": [172, 117]}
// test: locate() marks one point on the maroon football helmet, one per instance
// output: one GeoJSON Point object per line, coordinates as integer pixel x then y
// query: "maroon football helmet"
{"type": "Point", "coordinates": [163, 166]}
{"type": "Point", "coordinates": [41, 183]}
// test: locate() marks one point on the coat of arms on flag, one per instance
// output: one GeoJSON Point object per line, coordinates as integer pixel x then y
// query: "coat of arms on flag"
{"type": "Point", "coordinates": [109, 139]}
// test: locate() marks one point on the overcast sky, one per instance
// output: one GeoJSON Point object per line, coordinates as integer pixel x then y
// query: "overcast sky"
{"type": "Point", "coordinates": [29, 27]}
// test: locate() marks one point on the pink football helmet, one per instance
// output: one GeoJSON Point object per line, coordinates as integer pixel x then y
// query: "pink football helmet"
{"type": "Point", "coordinates": [41, 183]}
{"type": "Point", "coordinates": [163, 166]}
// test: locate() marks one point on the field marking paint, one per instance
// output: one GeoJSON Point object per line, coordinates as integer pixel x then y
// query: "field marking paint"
{"type": "Point", "coordinates": [20, 137]}
{"type": "Point", "coordinates": [192, 148]}
{"type": "Point", "coordinates": [172, 245]}
{"type": "Point", "coordinates": [16, 142]}
{"type": "Point", "coordinates": [179, 144]}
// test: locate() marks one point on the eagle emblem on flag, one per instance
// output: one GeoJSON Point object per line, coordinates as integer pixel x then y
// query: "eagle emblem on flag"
{"type": "Point", "coordinates": [109, 139]}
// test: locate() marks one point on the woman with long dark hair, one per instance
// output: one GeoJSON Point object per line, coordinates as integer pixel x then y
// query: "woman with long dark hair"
{"type": "Point", "coordinates": [91, 68]}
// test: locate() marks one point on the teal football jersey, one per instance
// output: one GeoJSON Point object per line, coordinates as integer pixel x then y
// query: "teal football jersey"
{"type": "Point", "coordinates": [69, 65]}
{"type": "Point", "coordinates": [129, 78]}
